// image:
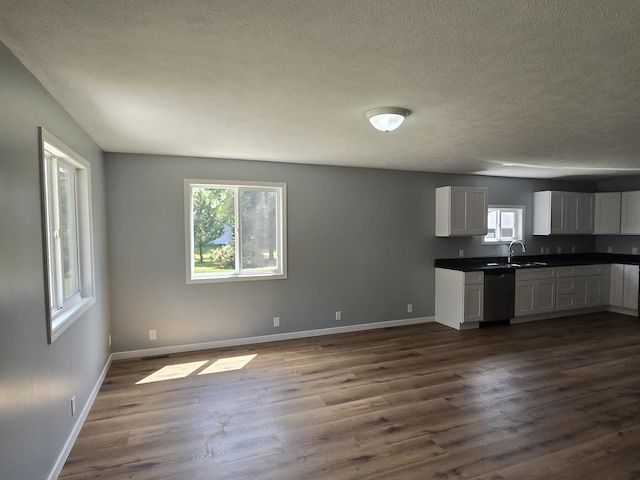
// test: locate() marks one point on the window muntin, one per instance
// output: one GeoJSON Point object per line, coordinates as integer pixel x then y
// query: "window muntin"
{"type": "Point", "coordinates": [67, 234]}
{"type": "Point", "coordinates": [504, 224]}
{"type": "Point", "coordinates": [235, 231]}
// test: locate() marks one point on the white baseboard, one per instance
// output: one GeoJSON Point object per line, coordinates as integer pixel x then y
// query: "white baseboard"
{"type": "Point", "coordinates": [62, 458]}
{"type": "Point", "coordinates": [623, 311]}
{"type": "Point", "coordinates": [150, 352]}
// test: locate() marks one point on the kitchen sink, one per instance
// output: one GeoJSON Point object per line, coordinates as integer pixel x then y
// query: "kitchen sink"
{"type": "Point", "coordinates": [529, 264]}
{"type": "Point", "coordinates": [518, 265]}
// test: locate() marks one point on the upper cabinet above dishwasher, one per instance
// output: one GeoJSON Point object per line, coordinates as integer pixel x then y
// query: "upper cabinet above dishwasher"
{"type": "Point", "coordinates": [562, 213]}
{"type": "Point", "coordinates": [461, 211]}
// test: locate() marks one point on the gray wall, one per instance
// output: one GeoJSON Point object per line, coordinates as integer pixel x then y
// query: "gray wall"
{"type": "Point", "coordinates": [37, 380]}
{"type": "Point", "coordinates": [619, 243]}
{"type": "Point", "coordinates": [359, 240]}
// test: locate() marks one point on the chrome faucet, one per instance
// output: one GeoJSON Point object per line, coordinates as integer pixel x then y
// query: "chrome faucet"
{"type": "Point", "coordinates": [511, 252]}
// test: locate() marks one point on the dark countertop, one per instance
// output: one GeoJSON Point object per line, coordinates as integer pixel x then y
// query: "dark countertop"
{"type": "Point", "coordinates": [527, 261]}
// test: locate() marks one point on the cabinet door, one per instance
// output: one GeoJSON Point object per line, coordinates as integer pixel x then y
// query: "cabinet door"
{"type": "Point", "coordinates": [630, 290]}
{"type": "Point", "coordinates": [578, 213]}
{"type": "Point", "coordinates": [558, 210]}
{"type": "Point", "coordinates": [630, 222]}
{"type": "Point", "coordinates": [477, 209]}
{"type": "Point", "coordinates": [581, 292]}
{"type": "Point", "coordinates": [545, 296]}
{"type": "Point", "coordinates": [525, 304]}
{"type": "Point", "coordinates": [459, 202]}
{"type": "Point", "coordinates": [473, 303]}
{"type": "Point", "coordinates": [570, 212]}
{"type": "Point", "coordinates": [607, 213]}
{"type": "Point", "coordinates": [584, 222]}
{"type": "Point", "coordinates": [594, 291]}
{"type": "Point", "coordinates": [616, 286]}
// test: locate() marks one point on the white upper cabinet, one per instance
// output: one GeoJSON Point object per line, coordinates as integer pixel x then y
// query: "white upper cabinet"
{"type": "Point", "coordinates": [607, 213]}
{"type": "Point", "coordinates": [461, 211]}
{"type": "Point", "coordinates": [562, 213]}
{"type": "Point", "coordinates": [630, 218]}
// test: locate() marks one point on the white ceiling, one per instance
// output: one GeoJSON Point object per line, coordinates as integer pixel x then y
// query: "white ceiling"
{"type": "Point", "coordinates": [532, 88]}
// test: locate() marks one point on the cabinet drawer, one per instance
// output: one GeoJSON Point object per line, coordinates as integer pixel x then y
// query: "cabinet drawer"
{"type": "Point", "coordinates": [566, 285]}
{"type": "Point", "coordinates": [590, 269]}
{"type": "Point", "coordinates": [567, 271]}
{"type": "Point", "coordinates": [566, 301]}
{"type": "Point", "coordinates": [472, 278]}
{"type": "Point", "coordinates": [535, 274]}
{"type": "Point", "coordinates": [581, 270]}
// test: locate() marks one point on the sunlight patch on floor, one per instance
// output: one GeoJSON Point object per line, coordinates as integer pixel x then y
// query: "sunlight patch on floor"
{"type": "Point", "coordinates": [228, 364]}
{"type": "Point", "coordinates": [182, 370]}
{"type": "Point", "coordinates": [171, 372]}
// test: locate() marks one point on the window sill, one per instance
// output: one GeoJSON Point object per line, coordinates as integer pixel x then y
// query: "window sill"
{"type": "Point", "coordinates": [237, 278]}
{"type": "Point", "coordinates": [501, 242]}
{"type": "Point", "coordinates": [66, 317]}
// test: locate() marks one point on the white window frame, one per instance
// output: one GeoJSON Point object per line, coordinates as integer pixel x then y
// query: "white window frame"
{"type": "Point", "coordinates": [520, 215]}
{"type": "Point", "coordinates": [237, 275]}
{"type": "Point", "coordinates": [61, 312]}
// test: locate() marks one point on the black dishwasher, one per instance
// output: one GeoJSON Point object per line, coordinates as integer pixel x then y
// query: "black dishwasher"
{"type": "Point", "coordinates": [499, 294]}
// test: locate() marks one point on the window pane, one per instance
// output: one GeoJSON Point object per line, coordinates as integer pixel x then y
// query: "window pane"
{"type": "Point", "coordinates": [259, 228]}
{"type": "Point", "coordinates": [214, 222]}
{"type": "Point", "coordinates": [508, 219]}
{"type": "Point", "coordinates": [507, 233]}
{"type": "Point", "coordinates": [68, 231]}
{"type": "Point", "coordinates": [492, 219]}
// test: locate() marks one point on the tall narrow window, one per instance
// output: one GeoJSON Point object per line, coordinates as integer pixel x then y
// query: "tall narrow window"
{"type": "Point", "coordinates": [235, 231]}
{"type": "Point", "coordinates": [67, 234]}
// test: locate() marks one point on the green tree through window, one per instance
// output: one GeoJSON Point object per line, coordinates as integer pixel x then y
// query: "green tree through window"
{"type": "Point", "coordinates": [212, 209]}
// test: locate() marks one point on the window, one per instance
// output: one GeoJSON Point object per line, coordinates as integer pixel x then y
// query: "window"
{"type": "Point", "coordinates": [67, 233]}
{"type": "Point", "coordinates": [504, 224]}
{"type": "Point", "coordinates": [235, 231]}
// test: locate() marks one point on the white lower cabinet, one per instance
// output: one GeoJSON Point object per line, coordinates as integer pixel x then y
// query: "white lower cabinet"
{"type": "Point", "coordinates": [459, 297]}
{"type": "Point", "coordinates": [582, 286]}
{"type": "Point", "coordinates": [473, 303]}
{"type": "Point", "coordinates": [624, 286]}
{"type": "Point", "coordinates": [630, 290]}
{"type": "Point", "coordinates": [616, 291]}
{"type": "Point", "coordinates": [535, 291]}
{"type": "Point", "coordinates": [539, 292]}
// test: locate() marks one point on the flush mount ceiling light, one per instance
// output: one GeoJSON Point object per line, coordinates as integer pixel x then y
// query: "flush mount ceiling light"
{"type": "Point", "coordinates": [387, 119]}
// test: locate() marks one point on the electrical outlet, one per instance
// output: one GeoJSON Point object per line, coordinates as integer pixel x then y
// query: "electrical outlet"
{"type": "Point", "coordinates": [573, 249]}
{"type": "Point", "coordinates": [461, 253]}
{"type": "Point", "coordinates": [559, 249]}
{"type": "Point", "coordinates": [609, 249]}
{"type": "Point", "coordinates": [634, 250]}
{"type": "Point", "coordinates": [153, 334]}
{"type": "Point", "coordinates": [542, 250]}
{"type": "Point", "coordinates": [109, 339]}
{"type": "Point", "coordinates": [547, 250]}
{"type": "Point", "coordinates": [73, 406]}
{"type": "Point", "coordinates": [276, 321]}
{"type": "Point", "coordinates": [338, 315]}
{"type": "Point", "coordinates": [409, 308]}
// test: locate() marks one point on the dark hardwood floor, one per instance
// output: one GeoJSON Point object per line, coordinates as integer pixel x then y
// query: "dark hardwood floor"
{"type": "Point", "coordinates": [542, 400]}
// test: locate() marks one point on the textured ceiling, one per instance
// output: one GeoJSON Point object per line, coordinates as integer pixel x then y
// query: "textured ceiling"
{"type": "Point", "coordinates": [533, 88]}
